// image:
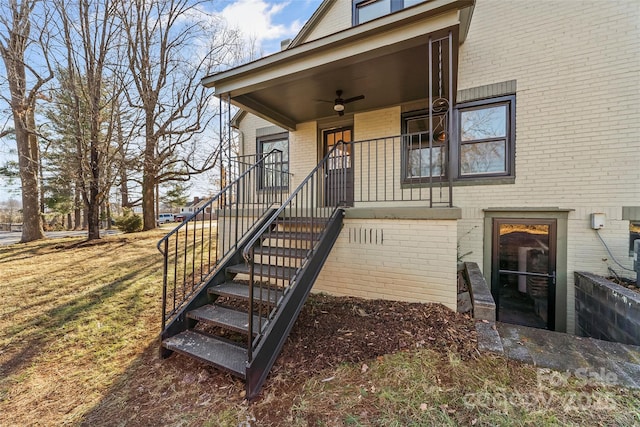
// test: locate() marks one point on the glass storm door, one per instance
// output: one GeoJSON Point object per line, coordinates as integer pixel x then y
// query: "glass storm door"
{"type": "Point", "coordinates": [523, 272]}
{"type": "Point", "coordinates": [339, 173]}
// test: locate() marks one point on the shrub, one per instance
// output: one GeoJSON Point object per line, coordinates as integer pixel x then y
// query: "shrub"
{"type": "Point", "coordinates": [129, 222]}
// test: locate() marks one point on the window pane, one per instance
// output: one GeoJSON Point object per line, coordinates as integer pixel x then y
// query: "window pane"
{"type": "Point", "coordinates": [483, 157]}
{"type": "Point", "coordinates": [275, 165]}
{"type": "Point", "coordinates": [281, 144]}
{"type": "Point", "coordinates": [418, 160]}
{"type": "Point", "coordinates": [370, 10]}
{"type": "Point", "coordinates": [484, 123]}
{"type": "Point", "coordinates": [421, 124]}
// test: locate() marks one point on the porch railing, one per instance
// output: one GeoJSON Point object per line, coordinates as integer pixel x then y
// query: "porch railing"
{"type": "Point", "coordinates": [403, 168]}
{"type": "Point", "coordinates": [194, 249]}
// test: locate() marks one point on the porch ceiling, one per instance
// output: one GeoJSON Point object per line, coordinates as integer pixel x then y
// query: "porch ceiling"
{"type": "Point", "coordinates": [386, 62]}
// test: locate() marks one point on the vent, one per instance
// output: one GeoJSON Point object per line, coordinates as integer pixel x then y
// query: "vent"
{"type": "Point", "coordinates": [366, 236]}
{"type": "Point", "coordinates": [636, 260]}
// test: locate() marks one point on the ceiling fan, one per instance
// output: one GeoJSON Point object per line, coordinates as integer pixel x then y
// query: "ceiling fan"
{"type": "Point", "coordinates": [339, 102]}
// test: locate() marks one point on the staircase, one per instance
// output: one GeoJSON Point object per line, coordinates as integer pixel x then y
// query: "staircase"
{"type": "Point", "coordinates": [237, 312]}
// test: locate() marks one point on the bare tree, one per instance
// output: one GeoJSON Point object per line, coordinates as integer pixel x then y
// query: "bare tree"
{"type": "Point", "coordinates": [16, 39]}
{"type": "Point", "coordinates": [167, 57]}
{"type": "Point", "coordinates": [90, 34]}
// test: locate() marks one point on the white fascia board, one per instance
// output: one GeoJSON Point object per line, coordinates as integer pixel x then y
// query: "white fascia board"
{"type": "Point", "coordinates": [393, 28]}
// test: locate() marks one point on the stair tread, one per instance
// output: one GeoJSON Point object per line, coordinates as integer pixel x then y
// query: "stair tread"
{"type": "Point", "coordinates": [227, 317]}
{"type": "Point", "coordinates": [292, 235]}
{"type": "Point", "coordinates": [241, 290]}
{"type": "Point", "coordinates": [263, 270]}
{"type": "Point", "coordinates": [219, 353]}
{"type": "Point", "coordinates": [281, 252]}
{"type": "Point", "coordinates": [303, 221]}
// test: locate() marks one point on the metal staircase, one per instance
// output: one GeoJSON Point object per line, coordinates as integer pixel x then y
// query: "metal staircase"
{"type": "Point", "coordinates": [260, 281]}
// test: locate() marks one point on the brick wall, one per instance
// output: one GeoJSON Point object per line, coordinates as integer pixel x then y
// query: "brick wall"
{"type": "Point", "coordinates": [606, 311]}
{"type": "Point", "coordinates": [577, 67]}
{"type": "Point", "coordinates": [408, 260]}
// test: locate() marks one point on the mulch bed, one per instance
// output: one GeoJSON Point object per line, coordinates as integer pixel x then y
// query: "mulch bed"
{"type": "Point", "coordinates": [332, 330]}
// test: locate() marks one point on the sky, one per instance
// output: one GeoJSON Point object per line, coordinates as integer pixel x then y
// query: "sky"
{"type": "Point", "coordinates": [268, 21]}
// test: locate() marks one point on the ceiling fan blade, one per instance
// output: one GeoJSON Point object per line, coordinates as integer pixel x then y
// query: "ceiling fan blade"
{"type": "Point", "coordinates": [355, 98]}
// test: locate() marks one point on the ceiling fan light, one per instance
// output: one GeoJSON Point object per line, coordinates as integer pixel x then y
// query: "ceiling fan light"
{"type": "Point", "coordinates": [338, 107]}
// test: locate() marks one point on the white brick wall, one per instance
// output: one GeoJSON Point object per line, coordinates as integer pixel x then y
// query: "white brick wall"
{"type": "Point", "coordinates": [577, 67]}
{"type": "Point", "coordinates": [412, 260]}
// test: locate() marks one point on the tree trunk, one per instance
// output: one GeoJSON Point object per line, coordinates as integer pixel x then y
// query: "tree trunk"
{"type": "Point", "coordinates": [77, 211]}
{"type": "Point", "coordinates": [149, 180]}
{"type": "Point", "coordinates": [28, 161]}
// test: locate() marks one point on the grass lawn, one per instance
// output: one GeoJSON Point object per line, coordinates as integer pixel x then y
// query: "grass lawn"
{"type": "Point", "coordinates": [78, 346]}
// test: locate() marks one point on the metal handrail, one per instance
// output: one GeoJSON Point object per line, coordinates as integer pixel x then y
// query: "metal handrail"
{"type": "Point", "coordinates": [307, 185]}
{"type": "Point", "coordinates": [274, 216]}
{"type": "Point", "coordinates": [186, 242]}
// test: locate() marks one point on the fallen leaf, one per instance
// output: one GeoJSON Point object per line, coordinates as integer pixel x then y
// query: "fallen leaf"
{"type": "Point", "coordinates": [328, 379]}
{"type": "Point", "coordinates": [365, 368]}
{"type": "Point", "coordinates": [423, 407]}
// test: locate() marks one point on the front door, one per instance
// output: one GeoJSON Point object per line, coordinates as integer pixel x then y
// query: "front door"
{"type": "Point", "coordinates": [339, 174]}
{"type": "Point", "coordinates": [523, 271]}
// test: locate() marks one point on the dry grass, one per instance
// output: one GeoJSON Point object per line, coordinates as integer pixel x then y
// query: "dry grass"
{"type": "Point", "coordinates": [78, 346]}
{"type": "Point", "coordinates": [73, 318]}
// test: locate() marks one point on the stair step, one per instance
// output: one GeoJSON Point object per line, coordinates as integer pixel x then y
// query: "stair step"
{"type": "Point", "coordinates": [241, 290]}
{"type": "Point", "coordinates": [227, 356]}
{"type": "Point", "coordinates": [228, 318]}
{"type": "Point", "coordinates": [263, 270]}
{"type": "Point", "coordinates": [291, 235]}
{"type": "Point", "coordinates": [303, 222]}
{"type": "Point", "coordinates": [281, 252]}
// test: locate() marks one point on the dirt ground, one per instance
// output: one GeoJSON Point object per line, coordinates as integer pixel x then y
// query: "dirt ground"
{"type": "Point", "coordinates": [330, 331]}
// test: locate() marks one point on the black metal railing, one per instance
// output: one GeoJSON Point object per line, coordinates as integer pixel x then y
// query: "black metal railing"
{"type": "Point", "coordinates": [193, 250]}
{"type": "Point", "coordinates": [402, 168]}
{"type": "Point", "coordinates": [282, 257]}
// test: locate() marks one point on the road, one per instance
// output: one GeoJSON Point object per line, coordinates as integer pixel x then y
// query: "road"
{"type": "Point", "coordinates": [11, 237]}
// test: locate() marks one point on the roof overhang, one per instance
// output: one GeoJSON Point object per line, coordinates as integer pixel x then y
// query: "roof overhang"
{"type": "Point", "coordinates": [385, 59]}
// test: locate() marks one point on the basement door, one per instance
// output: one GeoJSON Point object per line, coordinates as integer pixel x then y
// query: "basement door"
{"type": "Point", "coordinates": [339, 174]}
{"type": "Point", "coordinates": [523, 271]}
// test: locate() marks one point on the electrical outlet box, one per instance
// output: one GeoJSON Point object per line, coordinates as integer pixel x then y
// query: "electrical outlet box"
{"type": "Point", "coordinates": [597, 221]}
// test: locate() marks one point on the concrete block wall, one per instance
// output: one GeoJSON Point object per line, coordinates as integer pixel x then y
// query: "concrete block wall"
{"type": "Point", "coordinates": [605, 310]}
{"type": "Point", "coordinates": [408, 260]}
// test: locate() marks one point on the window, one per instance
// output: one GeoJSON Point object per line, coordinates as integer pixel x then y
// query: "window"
{"type": "Point", "coordinates": [423, 161]}
{"type": "Point", "coordinates": [486, 135]}
{"type": "Point", "coordinates": [366, 10]}
{"type": "Point", "coordinates": [276, 164]}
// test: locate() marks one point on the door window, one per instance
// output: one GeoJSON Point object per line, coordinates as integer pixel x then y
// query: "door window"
{"type": "Point", "coordinates": [523, 273]}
